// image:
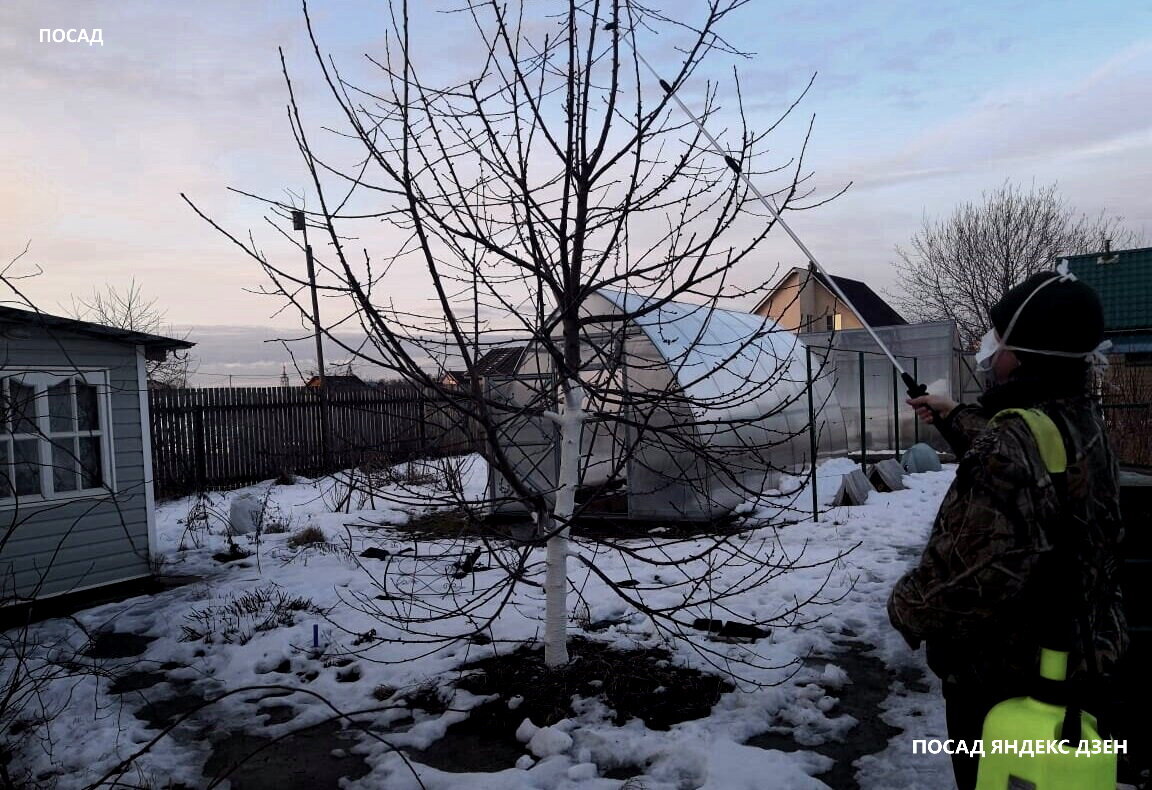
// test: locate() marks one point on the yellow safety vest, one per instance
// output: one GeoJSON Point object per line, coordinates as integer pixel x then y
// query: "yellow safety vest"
{"type": "Point", "coordinates": [1022, 746]}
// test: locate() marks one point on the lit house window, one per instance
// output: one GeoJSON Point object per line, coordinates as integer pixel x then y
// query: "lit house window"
{"type": "Point", "coordinates": [838, 321]}
{"type": "Point", "coordinates": [54, 441]}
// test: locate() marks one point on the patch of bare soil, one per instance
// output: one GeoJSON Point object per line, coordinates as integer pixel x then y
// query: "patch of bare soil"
{"type": "Point", "coordinates": [439, 524]}
{"type": "Point", "coordinates": [634, 684]}
{"type": "Point", "coordinates": [116, 644]}
{"type": "Point", "coordinates": [312, 758]}
{"type": "Point", "coordinates": [453, 523]}
{"type": "Point", "coordinates": [234, 554]}
{"type": "Point", "coordinates": [861, 699]}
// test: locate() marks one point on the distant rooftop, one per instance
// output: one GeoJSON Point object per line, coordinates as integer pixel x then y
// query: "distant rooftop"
{"type": "Point", "coordinates": [339, 382]}
{"type": "Point", "coordinates": [501, 361]}
{"type": "Point", "coordinates": [873, 310]}
{"type": "Point", "coordinates": [1123, 278]}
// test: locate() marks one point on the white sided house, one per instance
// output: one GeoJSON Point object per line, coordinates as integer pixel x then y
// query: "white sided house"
{"type": "Point", "coordinates": [76, 500]}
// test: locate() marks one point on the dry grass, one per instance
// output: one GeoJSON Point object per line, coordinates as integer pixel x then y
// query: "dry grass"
{"type": "Point", "coordinates": [309, 536]}
{"type": "Point", "coordinates": [240, 617]}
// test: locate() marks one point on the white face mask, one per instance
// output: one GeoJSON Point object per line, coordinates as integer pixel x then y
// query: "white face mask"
{"type": "Point", "coordinates": [989, 345]}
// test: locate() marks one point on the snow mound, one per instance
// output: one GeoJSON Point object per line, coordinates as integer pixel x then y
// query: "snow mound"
{"type": "Point", "coordinates": [549, 741]}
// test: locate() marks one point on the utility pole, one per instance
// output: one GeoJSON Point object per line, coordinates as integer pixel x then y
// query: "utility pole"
{"type": "Point", "coordinates": [299, 223]}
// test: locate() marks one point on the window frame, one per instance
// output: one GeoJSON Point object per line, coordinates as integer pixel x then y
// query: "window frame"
{"type": "Point", "coordinates": [41, 379]}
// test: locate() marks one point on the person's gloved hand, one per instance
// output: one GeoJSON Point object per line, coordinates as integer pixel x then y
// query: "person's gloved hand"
{"type": "Point", "coordinates": [926, 404]}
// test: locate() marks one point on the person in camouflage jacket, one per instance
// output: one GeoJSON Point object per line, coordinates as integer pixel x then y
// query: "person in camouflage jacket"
{"type": "Point", "coordinates": [989, 587]}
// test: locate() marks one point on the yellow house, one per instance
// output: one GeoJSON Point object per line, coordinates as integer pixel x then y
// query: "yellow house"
{"type": "Point", "coordinates": [802, 301]}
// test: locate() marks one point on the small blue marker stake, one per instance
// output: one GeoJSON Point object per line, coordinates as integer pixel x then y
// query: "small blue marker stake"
{"type": "Point", "coordinates": [315, 635]}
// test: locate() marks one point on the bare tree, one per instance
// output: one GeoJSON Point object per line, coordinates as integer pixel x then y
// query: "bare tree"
{"type": "Point", "coordinates": [128, 308]}
{"type": "Point", "coordinates": [958, 267]}
{"type": "Point", "coordinates": [557, 199]}
{"type": "Point", "coordinates": [11, 275]}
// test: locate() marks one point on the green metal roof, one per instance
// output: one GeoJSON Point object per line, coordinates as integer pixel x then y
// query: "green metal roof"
{"type": "Point", "coordinates": [1123, 278]}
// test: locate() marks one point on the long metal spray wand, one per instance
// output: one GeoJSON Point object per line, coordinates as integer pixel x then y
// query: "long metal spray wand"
{"type": "Point", "coordinates": [915, 389]}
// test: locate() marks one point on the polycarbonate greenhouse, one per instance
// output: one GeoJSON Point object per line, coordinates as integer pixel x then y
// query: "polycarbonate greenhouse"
{"type": "Point", "coordinates": [697, 409]}
{"type": "Point", "coordinates": [869, 392]}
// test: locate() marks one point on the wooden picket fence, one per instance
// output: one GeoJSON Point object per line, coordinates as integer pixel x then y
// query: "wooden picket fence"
{"type": "Point", "coordinates": [223, 438]}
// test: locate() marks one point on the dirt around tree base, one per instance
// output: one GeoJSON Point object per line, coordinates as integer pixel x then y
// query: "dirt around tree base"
{"type": "Point", "coordinates": [634, 684]}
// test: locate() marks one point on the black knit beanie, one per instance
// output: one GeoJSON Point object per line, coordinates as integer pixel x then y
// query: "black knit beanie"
{"type": "Point", "coordinates": [1063, 316]}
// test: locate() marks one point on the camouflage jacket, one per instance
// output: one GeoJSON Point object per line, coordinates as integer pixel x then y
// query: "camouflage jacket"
{"type": "Point", "coordinates": [984, 591]}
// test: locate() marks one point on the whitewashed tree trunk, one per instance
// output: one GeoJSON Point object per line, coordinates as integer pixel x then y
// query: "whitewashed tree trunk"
{"type": "Point", "coordinates": [556, 578]}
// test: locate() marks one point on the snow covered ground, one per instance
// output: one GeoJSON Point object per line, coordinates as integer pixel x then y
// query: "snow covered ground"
{"type": "Point", "coordinates": [347, 659]}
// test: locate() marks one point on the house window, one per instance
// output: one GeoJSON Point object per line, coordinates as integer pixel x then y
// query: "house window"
{"type": "Point", "coordinates": [54, 441]}
{"type": "Point", "coordinates": [833, 322]}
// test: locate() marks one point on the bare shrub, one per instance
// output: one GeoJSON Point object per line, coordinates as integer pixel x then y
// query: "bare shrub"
{"type": "Point", "coordinates": [371, 484]}
{"type": "Point", "coordinates": [201, 517]}
{"type": "Point", "coordinates": [412, 473]}
{"type": "Point", "coordinates": [278, 526]}
{"type": "Point", "coordinates": [273, 519]}
{"type": "Point", "coordinates": [158, 563]}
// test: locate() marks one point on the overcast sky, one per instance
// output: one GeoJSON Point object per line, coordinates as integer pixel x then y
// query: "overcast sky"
{"type": "Point", "coordinates": [920, 105]}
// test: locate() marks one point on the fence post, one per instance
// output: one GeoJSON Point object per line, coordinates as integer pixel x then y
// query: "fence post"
{"type": "Point", "coordinates": [896, 413]}
{"type": "Point", "coordinates": [916, 422]}
{"type": "Point", "coordinates": [326, 426]}
{"type": "Point", "coordinates": [198, 447]}
{"type": "Point", "coordinates": [422, 406]}
{"type": "Point", "coordinates": [863, 421]}
{"type": "Point", "coordinates": [812, 435]}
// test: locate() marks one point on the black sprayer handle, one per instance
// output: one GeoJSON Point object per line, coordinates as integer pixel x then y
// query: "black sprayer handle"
{"type": "Point", "coordinates": [916, 390]}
